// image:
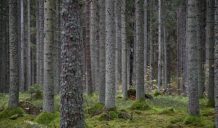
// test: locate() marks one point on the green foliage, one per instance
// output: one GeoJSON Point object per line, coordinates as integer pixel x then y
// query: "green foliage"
{"type": "Point", "coordinates": [157, 93]}
{"type": "Point", "coordinates": [102, 117]}
{"type": "Point", "coordinates": [140, 104]}
{"type": "Point", "coordinates": [36, 90]}
{"type": "Point", "coordinates": [193, 120]}
{"type": "Point", "coordinates": [176, 120]}
{"type": "Point", "coordinates": [46, 117]}
{"type": "Point", "coordinates": [168, 111]}
{"type": "Point", "coordinates": [113, 115]}
{"type": "Point", "coordinates": [97, 106]}
{"type": "Point", "coordinates": [55, 123]}
{"type": "Point", "coordinates": [9, 112]}
{"type": "Point", "coordinates": [90, 100]}
{"type": "Point", "coordinates": [210, 103]}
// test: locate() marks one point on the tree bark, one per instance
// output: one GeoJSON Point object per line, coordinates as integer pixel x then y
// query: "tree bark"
{"type": "Point", "coordinates": [72, 111]}
{"type": "Point", "coordinates": [151, 43]}
{"type": "Point", "coordinates": [41, 40]}
{"type": "Point", "coordinates": [159, 44]}
{"type": "Point", "coordinates": [192, 60]}
{"type": "Point", "coordinates": [145, 40]}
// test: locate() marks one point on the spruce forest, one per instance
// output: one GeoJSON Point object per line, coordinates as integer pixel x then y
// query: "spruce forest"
{"type": "Point", "coordinates": [108, 63]}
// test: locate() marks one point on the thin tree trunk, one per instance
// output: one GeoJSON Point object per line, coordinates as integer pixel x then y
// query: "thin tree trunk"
{"type": "Point", "coordinates": [110, 55]}
{"type": "Point", "coordinates": [1, 47]}
{"type": "Point", "coordinates": [41, 40]}
{"type": "Point", "coordinates": [178, 53]}
{"type": "Point", "coordinates": [48, 97]}
{"type": "Point", "coordinates": [151, 43]}
{"type": "Point", "coordinates": [145, 40]}
{"type": "Point", "coordinates": [72, 111]}
{"type": "Point", "coordinates": [139, 50]}
{"type": "Point", "coordinates": [159, 44]}
{"type": "Point", "coordinates": [192, 60]}
{"type": "Point", "coordinates": [13, 47]}
{"type": "Point", "coordinates": [37, 43]}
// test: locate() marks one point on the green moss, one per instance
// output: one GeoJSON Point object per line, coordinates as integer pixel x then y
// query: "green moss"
{"type": "Point", "coordinates": [95, 107]}
{"type": "Point", "coordinates": [168, 111]}
{"type": "Point", "coordinates": [176, 120]}
{"type": "Point", "coordinates": [210, 103]}
{"type": "Point", "coordinates": [102, 117]}
{"type": "Point", "coordinates": [193, 120]}
{"type": "Point", "coordinates": [9, 112]}
{"type": "Point", "coordinates": [139, 105]}
{"type": "Point", "coordinates": [87, 115]}
{"type": "Point", "coordinates": [55, 123]}
{"type": "Point", "coordinates": [157, 93]}
{"type": "Point", "coordinates": [113, 115]}
{"type": "Point", "coordinates": [46, 117]}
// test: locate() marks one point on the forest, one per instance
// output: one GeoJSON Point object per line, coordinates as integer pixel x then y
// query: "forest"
{"type": "Point", "coordinates": [108, 63]}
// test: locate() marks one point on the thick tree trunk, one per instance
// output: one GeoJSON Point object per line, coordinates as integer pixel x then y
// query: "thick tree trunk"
{"type": "Point", "coordinates": [102, 53]}
{"type": "Point", "coordinates": [192, 60]}
{"type": "Point", "coordinates": [139, 50]}
{"type": "Point", "coordinates": [72, 111]}
{"type": "Point", "coordinates": [41, 40]}
{"type": "Point", "coordinates": [159, 44]}
{"type": "Point", "coordinates": [28, 76]}
{"type": "Point", "coordinates": [124, 49]}
{"type": "Point", "coordinates": [89, 85]}
{"type": "Point", "coordinates": [13, 47]}
{"type": "Point", "coordinates": [48, 97]}
{"type": "Point", "coordinates": [110, 55]}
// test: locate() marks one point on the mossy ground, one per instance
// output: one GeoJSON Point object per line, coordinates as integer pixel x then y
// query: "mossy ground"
{"type": "Point", "coordinates": [165, 111]}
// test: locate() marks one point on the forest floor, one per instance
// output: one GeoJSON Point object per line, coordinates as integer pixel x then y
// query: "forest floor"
{"type": "Point", "coordinates": [161, 112]}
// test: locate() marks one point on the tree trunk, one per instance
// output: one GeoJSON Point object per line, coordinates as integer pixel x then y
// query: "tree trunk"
{"type": "Point", "coordinates": [165, 58]}
{"type": "Point", "coordinates": [139, 50]}
{"type": "Point", "coordinates": [72, 111]}
{"type": "Point", "coordinates": [124, 49]}
{"type": "Point", "coordinates": [178, 53]}
{"type": "Point", "coordinates": [210, 51]}
{"type": "Point", "coordinates": [37, 43]}
{"type": "Point", "coordinates": [89, 87]}
{"type": "Point", "coordinates": [48, 98]}
{"type": "Point", "coordinates": [28, 76]}
{"type": "Point", "coordinates": [159, 44]}
{"type": "Point", "coordinates": [41, 39]}
{"type": "Point", "coordinates": [151, 43]}
{"type": "Point", "coordinates": [13, 47]}
{"type": "Point", "coordinates": [110, 55]}
{"type": "Point", "coordinates": [102, 53]}
{"type": "Point", "coordinates": [145, 40]}
{"type": "Point", "coordinates": [192, 60]}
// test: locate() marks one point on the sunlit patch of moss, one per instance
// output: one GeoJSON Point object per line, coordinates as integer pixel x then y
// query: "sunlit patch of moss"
{"type": "Point", "coordinates": [113, 115]}
{"type": "Point", "coordinates": [96, 107]}
{"type": "Point", "coordinates": [193, 120]}
{"type": "Point", "coordinates": [140, 104]}
{"type": "Point", "coordinates": [87, 115]}
{"type": "Point", "coordinates": [46, 117]}
{"type": "Point", "coordinates": [102, 117]}
{"type": "Point", "coordinates": [8, 112]}
{"type": "Point", "coordinates": [168, 111]}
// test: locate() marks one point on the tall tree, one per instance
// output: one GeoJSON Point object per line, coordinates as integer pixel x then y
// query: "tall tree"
{"type": "Point", "coordinates": [165, 58]}
{"type": "Point", "coordinates": [159, 44]}
{"type": "Point", "coordinates": [41, 40]}
{"type": "Point", "coordinates": [151, 43]}
{"type": "Point", "coordinates": [192, 60]}
{"type": "Point", "coordinates": [124, 49]}
{"type": "Point", "coordinates": [102, 53]}
{"type": "Point", "coordinates": [110, 55]}
{"type": "Point", "coordinates": [48, 98]}
{"type": "Point", "coordinates": [210, 50]}
{"type": "Point", "coordinates": [37, 43]}
{"type": "Point", "coordinates": [72, 113]}
{"type": "Point", "coordinates": [13, 47]}
{"type": "Point", "coordinates": [216, 62]}
{"type": "Point", "coordinates": [28, 76]}
{"type": "Point", "coordinates": [145, 39]}
{"type": "Point", "coordinates": [139, 50]}
{"type": "Point", "coordinates": [89, 85]}
{"type": "Point", "coordinates": [178, 52]}
{"type": "Point", "coordinates": [92, 40]}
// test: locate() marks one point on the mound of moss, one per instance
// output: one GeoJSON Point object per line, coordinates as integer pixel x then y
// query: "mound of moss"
{"type": "Point", "coordinates": [95, 107]}
{"type": "Point", "coordinates": [192, 120]}
{"type": "Point", "coordinates": [46, 117]}
{"type": "Point", "coordinates": [102, 117]}
{"type": "Point", "coordinates": [55, 123]}
{"type": "Point", "coordinates": [113, 115]}
{"type": "Point", "coordinates": [11, 112]}
{"type": "Point", "coordinates": [168, 111]}
{"type": "Point", "coordinates": [140, 104]}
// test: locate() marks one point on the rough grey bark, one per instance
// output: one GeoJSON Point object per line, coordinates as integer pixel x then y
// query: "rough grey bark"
{"type": "Point", "coordinates": [110, 55]}
{"type": "Point", "coordinates": [1, 47]}
{"type": "Point", "coordinates": [165, 59]}
{"type": "Point", "coordinates": [192, 60]}
{"type": "Point", "coordinates": [97, 45]}
{"type": "Point", "coordinates": [216, 62]}
{"type": "Point", "coordinates": [92, 40]}
{"type": "Point", "coordinates": [48, 97]}
{"type": "Point", "coordinates": [139, 50]}
{"type": "Point", "coordinates": [89, 85]}
{"type": "Point", "coordinates": [200, 44]}
{"type": "Point", "coordinates": [159, 44]}
{"type": "Point", "coordinates": [178, 53]}
{"type": "Point", "coordinates": [41, 40]}
{"type": "Point", "coordinates": [72, 111]}
{"type": "Point", "coordinates": [28, 70]}
{"type": "Point", "coordinates": [37, 44]}
{"type": "Point", "coordinates": [13, 47]}
{"type": "Point", "coordinates": [210, 51]}
{"type": "Point", "coordinates": [151, 43]}
{"type": "Point", "coordinates": [128, 65]}
{"type": "Point", "coordinates": [145, 40]}
{"type": "Point", "coordinates": [102, 53]}
{"type": "Point", "coordinates": [124, 48]}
